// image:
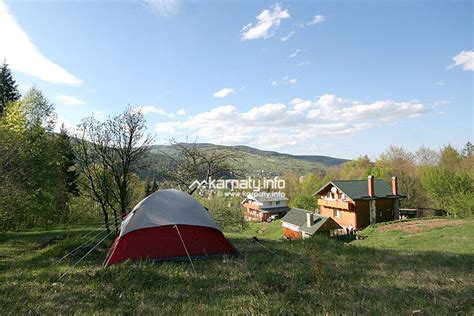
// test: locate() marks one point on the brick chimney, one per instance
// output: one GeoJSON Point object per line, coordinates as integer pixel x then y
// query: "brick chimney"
{"type": "Point", "coordinates": [394, 186]}
{"type": "Point", "coordinates": [309, 219]}
{"type": "Point", "coordinates": [370, 183]}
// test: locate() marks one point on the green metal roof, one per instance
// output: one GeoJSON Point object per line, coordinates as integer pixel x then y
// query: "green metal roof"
{"type": "Point", "coordinates": [297, 217]}
{"type": "Point", "coordinates": [269, 197]}
{"type": "Point", "coordinates": [358, 189]}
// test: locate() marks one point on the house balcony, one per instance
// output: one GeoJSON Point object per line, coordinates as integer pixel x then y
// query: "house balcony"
{"type": "Point", "coordinates": [251, 206]}
{"type": "Point", "coordinates": [344, 205]}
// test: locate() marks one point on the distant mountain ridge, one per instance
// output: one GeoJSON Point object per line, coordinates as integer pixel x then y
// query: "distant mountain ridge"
{"type": "Point", "coordinates": [258, 162]}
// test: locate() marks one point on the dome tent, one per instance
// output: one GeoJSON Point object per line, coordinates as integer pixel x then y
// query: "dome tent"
{"type": "Point", "coordinates": [168, 224]}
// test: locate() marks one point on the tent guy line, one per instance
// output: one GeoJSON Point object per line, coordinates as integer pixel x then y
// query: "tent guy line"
{"type": "Point", "coordinates": [74, 265]}
{"type": "Point", "coordinates": [186, 249]}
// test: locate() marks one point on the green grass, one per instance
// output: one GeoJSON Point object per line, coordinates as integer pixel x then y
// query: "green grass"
{"type": "Point", "coordinates": [382, 274]}
{"type": "Point", "coordinates": [271, 231]}
{"type": "Point", "coordinates": [449, 239]}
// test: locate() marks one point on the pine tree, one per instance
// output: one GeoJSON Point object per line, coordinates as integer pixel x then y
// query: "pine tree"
{"type": "Point", "coordinates": [154, 187]}
{"type": "Point", "coordinates": [67, 162]}
{"type": "Point", "coordinates": [468, 150]}
{"type": "Point", "coordinates": [147, 188]}
{"type": "Point", "coordinates": [8, 88]}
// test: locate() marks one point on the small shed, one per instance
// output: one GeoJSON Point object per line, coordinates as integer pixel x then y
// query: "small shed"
{"type": "Point", "coordinates": [300, 224]}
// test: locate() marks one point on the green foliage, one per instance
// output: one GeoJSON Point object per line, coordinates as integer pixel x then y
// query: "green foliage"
{"type": "Point", "coordinates": [357, 169]}
{"type": "Point", "coordinates": [252, 162]}
{"type": "Point", "coordinates": [151, 187]}
{"type": "Point", "coordinates": [226, 211]}
{"type": "Point", "coordinates": [449, 190]}
{"type": "Point", "coordinates": [304, 202]}
{"type": "Point", "coordinates": [450, 158]}
{"type": "Point", "coordinates": [8, 88]}
{"type": "Point", "coordinates": [428, 179]}
{"type": "Point", "coordinates": [14, 119]}
{"type": "Point", "coordinates": [37, 170]}
{"type": "Point", "coordinates": [67, 162]}
{"type": "Point", "coordinates": [468, 150]}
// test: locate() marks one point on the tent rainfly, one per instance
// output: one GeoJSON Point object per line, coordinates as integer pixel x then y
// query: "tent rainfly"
{"type": "Point", "coordinates": [166, 225]}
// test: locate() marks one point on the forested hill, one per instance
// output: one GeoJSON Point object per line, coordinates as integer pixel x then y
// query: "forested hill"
{"type": "Point", "coordinates": [260, 162]}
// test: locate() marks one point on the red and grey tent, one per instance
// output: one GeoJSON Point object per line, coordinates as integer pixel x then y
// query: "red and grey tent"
{"type": "Point", "coordinates": [168, 224]}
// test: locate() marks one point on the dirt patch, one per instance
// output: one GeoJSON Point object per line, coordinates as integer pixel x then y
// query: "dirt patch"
{"type": "Point", "coordinates": [422, 225]}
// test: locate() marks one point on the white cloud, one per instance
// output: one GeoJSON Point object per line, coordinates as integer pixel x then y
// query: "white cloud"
{"type": "Point", "coordinates": [181, 112]}
{"type": "Point", "coordinates": [69, 100]}
{"type": "Point", "coordinates": [163, 8]}
{"type": "Point", "coordinates": [318, 19]}
{"type": "Point", "coordinates": [301, 105]}
{"type": "Point", "coordinates": [465, 59]}
{"type": "Point", "coordinates": [166, 127]}
{"type": "Point", "coordinates": [303, 63]}
{"type": "Point", "coordinates": [285, 38]}
{"type": "Point", "coordinates": [151, 109]}
{"type": "Point", "coordinates": [268, 23]}
{"type": "Point", "coordinates": [439, 103]}
{"type": "Point", "coordinates": [277, 125]}
{"type": "Point", "coordinates": [223, 92]}
{"type": "Point", "coordinates": [297, 51]}
{"type": "Point", "coordinates": [22, 55]}
{"type": "Point", "coordinates": [440, 83]}
{"type": "Point", "coordinates": [285, 81]}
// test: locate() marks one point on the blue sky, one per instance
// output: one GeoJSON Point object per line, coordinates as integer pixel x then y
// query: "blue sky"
{"type": "Point", "coordinates": [339, 78]}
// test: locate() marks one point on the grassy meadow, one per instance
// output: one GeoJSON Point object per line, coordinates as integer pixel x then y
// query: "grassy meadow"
{"type": "Point", "coordinates": [425, 269]}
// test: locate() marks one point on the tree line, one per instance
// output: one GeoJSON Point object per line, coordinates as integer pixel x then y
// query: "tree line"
{"type": "Point", "coordinates": [87, 172]}
{"type": "Point", "coordinates": [49, 177]}
{"type": "Point", "coordinates": [91, 171]}
{"type": "Point", "coordinates": [439, 179]}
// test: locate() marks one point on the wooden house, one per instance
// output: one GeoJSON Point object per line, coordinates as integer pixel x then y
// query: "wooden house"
{"type": "Point", "coordinates": [359, 203]}
{"type": "Point", "coordinates": [259, 207]}
{"type": "Point", "coordinates": [301, 224]}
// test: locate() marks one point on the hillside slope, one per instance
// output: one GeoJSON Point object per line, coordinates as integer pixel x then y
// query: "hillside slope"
{"type": "Point", "coordinates": [439, 234]}
{"type": "Point", "coordinates": [257, 162]}
{"type": "Point", "coordinates": [272, 276]}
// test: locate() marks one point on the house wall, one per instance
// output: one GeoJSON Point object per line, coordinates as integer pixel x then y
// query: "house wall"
{"type": "Point", "coordinates": [386, 206]}
{"type": "Point", "coordinates": [362, 211]}
{"type": "Point", "coordinates": [385, 210]}
{"type": "Point", "coordinates": [291, 234]}
{"type": "Point", "coordinates": [252, 214]}
{"type": "Point", "coordinates": [347, 217]}
{"type": "Point", "coordinates": [271, 204]}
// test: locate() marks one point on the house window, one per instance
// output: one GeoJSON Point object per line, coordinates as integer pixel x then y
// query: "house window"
{"type": "Point", "coordinates": [343, 196]}
{"type": "Point", "coordinates": [269, 203]}
{"type": "Point", "coordinates": [277, 202]}
{"type": "Point", "coordinates": [336, 213]}
{"type": "Point", "coordinates": [330, 195]}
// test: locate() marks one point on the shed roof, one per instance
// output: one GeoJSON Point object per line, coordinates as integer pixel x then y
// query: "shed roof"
{"type": "Point", "coordinates": [297, 217]}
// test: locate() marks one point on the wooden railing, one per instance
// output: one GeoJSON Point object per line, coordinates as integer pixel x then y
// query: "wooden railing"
{"type": "Point", "coordinates": [334, 203]}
